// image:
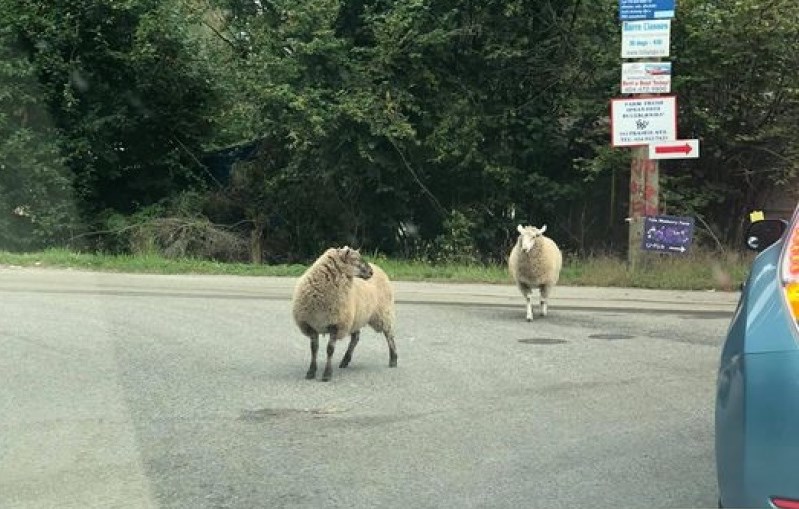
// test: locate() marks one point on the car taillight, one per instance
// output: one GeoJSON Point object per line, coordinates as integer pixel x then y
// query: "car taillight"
{"type": "Point", "coordinates": [790, 271]}
{"type": "Point", "coordinates": [792, 296]}
{"type": "Point", "coordinates": [784, 503]}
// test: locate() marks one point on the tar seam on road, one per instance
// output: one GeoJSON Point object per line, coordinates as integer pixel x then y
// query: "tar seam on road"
{"type": "Point", "coordinates": [707, 313]}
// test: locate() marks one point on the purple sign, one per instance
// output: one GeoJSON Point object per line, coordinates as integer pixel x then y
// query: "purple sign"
{"type": "Point", "coordinates": [668, 234]}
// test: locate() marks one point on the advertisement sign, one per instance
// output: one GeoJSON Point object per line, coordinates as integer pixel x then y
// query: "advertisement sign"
{"type": "Point", "coordinates": [645, 39]}
{"type": "Point", "coordinates": [668, 234]}
{"type": "Point", "coordinates": [642, 121]}
{"type": "Point", "coordinates": [646, 78]}
{"type": "Point", "coordinates": [630, 10]}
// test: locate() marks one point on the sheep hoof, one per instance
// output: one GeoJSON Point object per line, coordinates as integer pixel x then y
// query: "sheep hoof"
{"type": "Point", "coordinates": [310, 375]}
{"type": "Point", "coordinates": [392, 363]}
{"type": "Point", "coordinates": [344, 363]}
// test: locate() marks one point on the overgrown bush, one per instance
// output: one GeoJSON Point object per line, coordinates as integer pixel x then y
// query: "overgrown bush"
{"type": "Point", "coordinates": [178, 237]}
{"type": "Point", "coordinates": [175, 229]}
{"type": "Point", "coordinates": [456, 244]}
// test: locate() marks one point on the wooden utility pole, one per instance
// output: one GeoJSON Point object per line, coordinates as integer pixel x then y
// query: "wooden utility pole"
{"type": "Point", "coordinates": [644, 199]}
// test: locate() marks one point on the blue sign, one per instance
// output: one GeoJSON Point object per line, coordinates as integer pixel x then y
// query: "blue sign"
{"type": "Point", "coordinates": [668, 234]}
{"type": "Point", "coordinates": [630, 10]}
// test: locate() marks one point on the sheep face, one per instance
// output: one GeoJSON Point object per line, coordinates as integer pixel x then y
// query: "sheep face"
{"type": "Point", "coordinates": [528, 236]}
{"type": "Point", "coordinates": [357, 266]}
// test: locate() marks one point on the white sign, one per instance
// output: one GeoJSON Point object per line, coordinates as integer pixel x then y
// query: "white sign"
{"type": "Point", "coordinates": [677, 149]}
{"type": "Point", "coordinates": [641, 121]}
{"type": "Point", "coordinates": [644, 39]}
{"type": "Point", "coordinates": [646, 78]}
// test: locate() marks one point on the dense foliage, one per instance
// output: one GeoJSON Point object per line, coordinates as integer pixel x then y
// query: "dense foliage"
{"type": "Point", "coordinates": [415, 128]}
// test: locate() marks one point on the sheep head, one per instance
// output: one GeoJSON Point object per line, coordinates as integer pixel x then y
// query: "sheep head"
{"type": "Point", "coordinates": [528, 236]}
{"type": "Point", "coordinates": [357, 266]}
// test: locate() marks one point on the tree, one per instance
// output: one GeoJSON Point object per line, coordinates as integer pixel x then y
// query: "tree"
{"type": "Point", "coordinates": [130, 101]}
{"type": "Point", "coordinates": [393, 112]}
{"type": "Point", "coordinates": [37, 207]}
{"type": "Point", "coordinates": [422, 128]}
{"type": "Point", "coordinates": [737, 80]}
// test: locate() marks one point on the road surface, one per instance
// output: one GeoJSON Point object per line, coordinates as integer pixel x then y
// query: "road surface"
{"type": "Point", "coordinates": [189, 392]}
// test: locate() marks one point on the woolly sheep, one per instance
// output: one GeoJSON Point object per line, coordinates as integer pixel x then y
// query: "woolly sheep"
{"type": "Point", "coordinates": [339, 294]}
{"type": "Point", "coordinates": [535, 261]}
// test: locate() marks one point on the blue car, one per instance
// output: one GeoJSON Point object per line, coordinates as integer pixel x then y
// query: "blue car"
{"type": "Point", "coordinates": [757, 396]}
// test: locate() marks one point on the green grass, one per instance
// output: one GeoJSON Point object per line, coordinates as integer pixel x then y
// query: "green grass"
{"type": "Point", "coordinates": [698, 271]}
{"type": "Point", "coordinates": [150, 264]}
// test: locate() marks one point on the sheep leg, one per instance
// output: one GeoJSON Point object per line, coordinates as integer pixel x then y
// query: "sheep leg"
{"type": "Point", "coordinates": [331, 348]}
{"type": "Point", "coordinates": [544, 289]}
{"type": "Point", "coordinates": [311, 374]}
{"type": "Point", "coordinates": [392, 350]}
{"type": "Point", "coordinates": [354, 337]}
{"type": "Point", "coordinates": [527, 292]}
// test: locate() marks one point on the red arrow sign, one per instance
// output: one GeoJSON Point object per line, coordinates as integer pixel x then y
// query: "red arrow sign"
{"type": "Point", "coordinates": [679, 149]}
{"type": "Point", "coordinates": [675, 149]}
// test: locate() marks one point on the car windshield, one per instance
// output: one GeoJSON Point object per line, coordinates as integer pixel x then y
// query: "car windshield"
{"type": "Point", "coordinates": [272, 253]}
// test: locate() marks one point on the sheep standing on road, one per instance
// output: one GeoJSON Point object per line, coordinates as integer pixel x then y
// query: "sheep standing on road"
{"type": "Point", "coordinates": [535, 261]}
{"type": "Point", "coordinates": [338, 295]}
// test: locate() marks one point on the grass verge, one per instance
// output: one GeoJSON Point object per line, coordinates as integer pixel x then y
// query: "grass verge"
{"type": "Point", "coordinates": [697, 271]}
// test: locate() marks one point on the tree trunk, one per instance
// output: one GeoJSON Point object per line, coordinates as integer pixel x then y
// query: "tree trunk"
{"type": "Point", "coordinates": [257, 243]}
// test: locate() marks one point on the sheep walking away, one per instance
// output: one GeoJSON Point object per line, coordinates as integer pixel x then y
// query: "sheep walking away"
{"type": "Point", "coordinates": [338, 295]}
{"type": "Point", "coordinates": [535, 262]}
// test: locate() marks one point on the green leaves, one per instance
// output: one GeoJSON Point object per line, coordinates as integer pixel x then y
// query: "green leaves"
{"type": "Point", "coordinates": [737, 72]}
{"type": "Point", "coordinates": [36, 200]}
{"type": "Point", "coordinates": [374, 114]}
{"type": "Point", "coordinates": [124, 92]}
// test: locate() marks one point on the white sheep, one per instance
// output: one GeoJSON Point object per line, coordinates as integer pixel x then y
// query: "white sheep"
{"type": "Point", "coordinates": [339, 294]}
{"type": "Point", "coordinates": [535, 261]}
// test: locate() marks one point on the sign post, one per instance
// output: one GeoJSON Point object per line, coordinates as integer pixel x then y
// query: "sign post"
{"type": "Point", "coordinates": [644, 199]}
{"type": "Point", "coordinates": [644, 119]}
{"type": "Point", "coordinates": [638, 122]}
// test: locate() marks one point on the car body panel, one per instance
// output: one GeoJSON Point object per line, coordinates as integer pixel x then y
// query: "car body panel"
{"type": "Point", "coordinates": [757, 399]}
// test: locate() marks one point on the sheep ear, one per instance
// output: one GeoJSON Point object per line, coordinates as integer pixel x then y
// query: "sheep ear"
{"type": "Point", "coordinates": [345, 252]}
{"type": "Point", "coordinates": [520, 228]}
{"type": "Point", "coordinates": [543, 229]}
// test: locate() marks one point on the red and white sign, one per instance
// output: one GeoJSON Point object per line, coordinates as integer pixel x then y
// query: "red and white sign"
{"type": "Point", "coordinates": [646, 78]}
{"type": "Point", "coordinates": [677, 149]}
{"type": "Point", "coordinates": [641, 121]}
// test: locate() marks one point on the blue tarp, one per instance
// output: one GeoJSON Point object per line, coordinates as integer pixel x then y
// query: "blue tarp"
{"type": "Point", "coordinates": [220, 163]}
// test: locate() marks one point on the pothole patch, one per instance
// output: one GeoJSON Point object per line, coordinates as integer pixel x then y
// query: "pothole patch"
{"type": "Point", "coordinates": [542, 341]}
{"type": "Point", "coordinates": [611, 337]}
{"type": "Point", "coordinates": [266, 414]}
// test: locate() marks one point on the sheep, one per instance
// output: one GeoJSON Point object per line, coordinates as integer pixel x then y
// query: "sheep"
{"type": "Point", "coordinates": [535, 261]}
{"type": "Point", "coordinates": [339, 294]}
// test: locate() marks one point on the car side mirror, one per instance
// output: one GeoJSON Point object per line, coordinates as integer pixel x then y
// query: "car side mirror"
{"type": "Point", "coordinates": [762, 234]}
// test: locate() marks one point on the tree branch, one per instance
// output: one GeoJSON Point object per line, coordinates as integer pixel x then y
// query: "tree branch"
{"type": "Point", "coordinates": [441, 210]}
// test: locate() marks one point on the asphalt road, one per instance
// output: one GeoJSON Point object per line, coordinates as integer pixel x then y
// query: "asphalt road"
{"type": "Point", "coordinates": [189, 392]}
